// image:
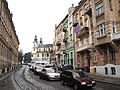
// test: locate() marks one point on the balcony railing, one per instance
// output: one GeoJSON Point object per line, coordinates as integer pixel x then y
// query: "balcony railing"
{"type": "Point", "coordinates": [58, 43]}
{"type": "Point", "coordinates": [65, 39]}
{"type": "Point", "coordinates": [75, 23]}
{"type": "Point", "coordinates": [83, 31]}
{"type": "Point", "coordinates": [83, 45]}
{"type": "Point", "coordinates": [115, 36]}
{"type": "Point", "coordinates": [64, 29]}
{"type": "Point", "coordinates": [88, 9]}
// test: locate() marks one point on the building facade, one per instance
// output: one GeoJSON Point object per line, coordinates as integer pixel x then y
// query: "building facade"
{"type": "Point", "coordinates": [27, 58]}
{"type": "Point", "coordinates": [59, 45]}
{"type": "Point", "coordinates": [92, 36]}
{"type": "Point", "coordinates": [41, 52]}
{"type": "Point", "coordinates": [97, 43]}
{"type": "Point", "coordinates": [106, 32]}
{"type": "Point", "coordinates": [82, 31]}
{"type": "Point", "coordinates": [8, 40]}
{"type": "Point", "coordinates": [69, 44]}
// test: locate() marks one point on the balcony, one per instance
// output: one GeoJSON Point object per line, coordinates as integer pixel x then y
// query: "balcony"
{"type": "Point", "coordinates": [115, 36]}
{"type": "Point", "coordinates": [83, 31]}
{"type": "Point", "coordinates": [63, 47]}
{"type": "Point", "coordinates": [64, 29]}
{"type": "Point", "coordinates": [88, 10]}
{"type": "Point", "coordinates": [65, 39]}
{"type": "Point", "coordinates": [58, 43]}
{"type": "Point", "coordinates": [102, 40]}
{"type": "Point", "coordinates": [75, 23]}
{"type": "Point", "coordinates": [84, 45]}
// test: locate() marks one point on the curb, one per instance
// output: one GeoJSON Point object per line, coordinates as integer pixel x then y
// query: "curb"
{"type": "Point", "coordinates": [105, 79]}
{"type": "Point", "coordinates": [7, 74]}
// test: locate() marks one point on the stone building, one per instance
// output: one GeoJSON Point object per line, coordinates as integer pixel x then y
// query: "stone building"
{"type": "Point", "coordinates": [97, 43]}
{"type": "Point", "coordinates": [41, 52]}
{"type": "Point", "coordinates": [69, 34]}
{"type": "Point", "coordinates": [59, 45]}
{"type": "Point", "coordinates": [106, 32]}
{"type": "Point", "coordinates": [93, 36]}
{"type": "Point", "coordinates": [8, 40]}
{"type": "Point", "coordinates": [83, 30]}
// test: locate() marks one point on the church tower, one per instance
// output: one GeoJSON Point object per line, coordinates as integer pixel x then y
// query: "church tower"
{"type": "Point", "coordinates": [41, 41]}
{"type": "Point", "coordinates": [35, 45]}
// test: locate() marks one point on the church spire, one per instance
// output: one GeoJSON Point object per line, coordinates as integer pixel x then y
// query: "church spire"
{"type": "Point", "coordinates": [35, 40]}
{"type": "Point", "coordinates": [41, 41]}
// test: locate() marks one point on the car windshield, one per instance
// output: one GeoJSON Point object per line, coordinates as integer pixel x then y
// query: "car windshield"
{"type": "Point", "coordinates": [50, 71]}
{"type": "Point", "coordinates": [76, 75]}
{"type": "Point", "coordinates": [79, 74]}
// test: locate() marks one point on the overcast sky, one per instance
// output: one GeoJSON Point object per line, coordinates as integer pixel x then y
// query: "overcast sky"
{"type": "Point", "coordinates": [37, 17]}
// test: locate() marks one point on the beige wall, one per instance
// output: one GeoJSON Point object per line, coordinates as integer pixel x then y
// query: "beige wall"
{"type": "Point", "coordinates": [8, 39]}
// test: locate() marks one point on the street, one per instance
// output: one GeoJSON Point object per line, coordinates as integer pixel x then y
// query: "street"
{"type": "Point", "coordinates": [24, 79]}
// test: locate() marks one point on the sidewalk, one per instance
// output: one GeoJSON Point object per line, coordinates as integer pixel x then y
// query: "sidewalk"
{"type": "Point", "coordinates": [105, 79]}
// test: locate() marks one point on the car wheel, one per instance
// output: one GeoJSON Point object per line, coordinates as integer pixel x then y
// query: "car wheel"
{"type": "Point", "coordinates": [40, 77]}
{"type": "Point", "coordinates": [75, 87]}
{"type": "Point", "coordinates": [47, 78]}
{"type": "Point", "coordinates": [62, 82]}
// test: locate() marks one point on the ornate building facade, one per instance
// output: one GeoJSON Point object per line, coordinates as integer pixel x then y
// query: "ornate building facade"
{"type": "Point", "coordinates": [94, 39]}
{"type": "Point", "coordinates": [41, 52]}
{"type": "Point", "coordinates": [8, 40]}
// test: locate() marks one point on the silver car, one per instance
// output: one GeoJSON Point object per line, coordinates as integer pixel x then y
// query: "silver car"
{"type": "Point", "coordinates": [49, 74]}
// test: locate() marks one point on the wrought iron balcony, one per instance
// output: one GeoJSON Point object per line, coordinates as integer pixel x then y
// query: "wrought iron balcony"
{"type": "Point", "coordinates": [83, 31]}
{"type": "Point", "coordinates": [88, 9]}
{"type": "Point", "coordinates": [58, 43]}
{"type": "Point", "coordinates": [64, 29]}
{"type": "Point", "coordinates": [75, 23]}
{"type": "Point", "coordinates": [115, 36]}
{"type": "Point", "coordinates": [65, 39]}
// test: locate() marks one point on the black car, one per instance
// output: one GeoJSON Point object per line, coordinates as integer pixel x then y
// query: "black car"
{"type": "Point", "coordinates": [77, 79]}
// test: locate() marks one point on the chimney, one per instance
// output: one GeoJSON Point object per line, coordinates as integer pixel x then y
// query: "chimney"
{"type": "Point", "coordinates": [55, 26]}
{"type": "Point", "coordinates": [72, 5]}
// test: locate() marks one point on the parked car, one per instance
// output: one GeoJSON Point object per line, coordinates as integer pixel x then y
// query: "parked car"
{"type": "Point", "coordinates": [49, 74]}
{"type": "Point", "coordinates": [48, 66]}
{"type": "Point", "coordinates": [67, 67]}
{"type": "Point", "coordinates": [77, 79]}
{"type": "Point", "coordinates": [37, 70]}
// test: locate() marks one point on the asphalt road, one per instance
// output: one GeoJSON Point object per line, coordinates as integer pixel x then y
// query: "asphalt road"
{"type": "Point", "coordinates": [24, 79]}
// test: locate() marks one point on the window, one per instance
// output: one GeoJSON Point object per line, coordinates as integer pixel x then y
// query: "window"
{"type": "Point", "coordinates": [99, 9]}
{"type": "Point", "coordinates": [95, 70]}
{"type": "Point", "coordinates": [92, 34]}
{"type": "Point", "coordinates": [47, 54]}
{"type": "Point", "coordinates": [106, 70]}
{"type": "Point", "coordinates": [70, 19]}
{"type": "Point", "coordinates": [95, 57]}
{"type": "Point", "coordinates": [101, 30]}
{"type": "Point", "coordinates": [0, 48]}
{"type": "Point", "coordinates": [105, 53]}
{"type": "Point", "coordinates": [42, 54]}
{"type": "Point", "coordinates": [78, 58]}
{"type": "Point", "coordinates": [110, 4]}
{"type": "Point", "coordinates": [113, 27]}
{"type": "Point", "coordinates": [38, 55]}
{"type": "Point", "coordinates": [112, 54]}
{"type": "Point", "coordinates": [80, 13]}
{"type": "Point", "coordinates": [86, 23]}
{"type": "Point", "coordinates": [113, 70]}
{"type": "Point", "coordinates": [68, 58]}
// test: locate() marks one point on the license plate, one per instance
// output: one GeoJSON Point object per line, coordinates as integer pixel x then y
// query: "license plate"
{"type": "Point", "coordinates": [89, 85]}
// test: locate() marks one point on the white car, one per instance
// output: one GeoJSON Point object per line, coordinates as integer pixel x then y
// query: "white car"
{"type": "Point", "coordinates": [49, 74]}
{"type": "Point", "coordinates": [37, 70]}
